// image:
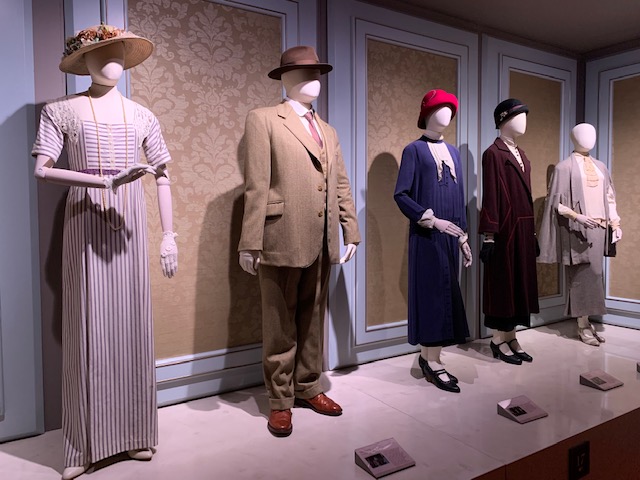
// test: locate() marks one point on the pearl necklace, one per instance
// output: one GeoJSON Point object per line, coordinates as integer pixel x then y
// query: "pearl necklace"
{"type": "Point", "coordinates": [126, 162]}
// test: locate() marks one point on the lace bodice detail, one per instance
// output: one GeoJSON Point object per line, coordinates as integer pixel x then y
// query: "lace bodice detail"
{"type": "Point", "coordinates": [65, 117]}
{"type": "Point", "coordinates": [69, 122]}
{"type": "Point", "coordinates": [142, 121]}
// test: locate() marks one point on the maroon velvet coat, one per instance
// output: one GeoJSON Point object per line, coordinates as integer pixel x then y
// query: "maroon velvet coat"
{"type": "Point", "coordinates": [510, 282]}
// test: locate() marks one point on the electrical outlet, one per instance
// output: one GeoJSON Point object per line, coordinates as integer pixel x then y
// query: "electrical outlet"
{"type": "Point", "coordinates": [579, 461]}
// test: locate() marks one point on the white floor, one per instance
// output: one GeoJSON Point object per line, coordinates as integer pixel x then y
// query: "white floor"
{"type": "Point", "coordinates": [450, 436]}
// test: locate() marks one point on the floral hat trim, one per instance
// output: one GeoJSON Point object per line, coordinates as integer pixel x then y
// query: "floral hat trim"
{"type": "Point", "coordinates": [137, 49]}
{"type": "Point", "coordinates": [91, 35]}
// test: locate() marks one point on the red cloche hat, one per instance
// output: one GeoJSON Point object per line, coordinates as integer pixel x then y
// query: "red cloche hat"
{"type": "Point", "coordinates": [432, 101]}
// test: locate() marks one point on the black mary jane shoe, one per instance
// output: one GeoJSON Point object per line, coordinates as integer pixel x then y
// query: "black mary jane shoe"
{"type": "Point", "coordinates": [524, 356]}
{"type": "Point", "coordinates": [433, 376]}
{"type": "Point", "coordinates": [512, 359]}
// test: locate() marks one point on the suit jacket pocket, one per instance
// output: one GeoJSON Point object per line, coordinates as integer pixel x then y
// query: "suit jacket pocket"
{"type": "Point", "coordinates": [275, 208]}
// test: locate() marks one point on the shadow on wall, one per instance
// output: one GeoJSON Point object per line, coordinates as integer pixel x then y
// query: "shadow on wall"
{"type": "Point", "coordinates": [387, 247]}
{"type": "Point", "coordinates": [470, 277]}
{"type": "Point", "coordinates": [51, 209]}
{"type": "Point", "coordinates": [228, 311]}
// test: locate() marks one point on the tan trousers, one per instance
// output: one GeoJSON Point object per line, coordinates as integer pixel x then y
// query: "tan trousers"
{"type": "Point", "coordinates": [293, 307]}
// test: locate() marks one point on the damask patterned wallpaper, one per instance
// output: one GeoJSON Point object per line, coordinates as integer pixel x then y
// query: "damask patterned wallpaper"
{"type": "Point", "coordinates": [541, 143]}
{"type": "Point", "coordinates": [209, 68]}
{"type": "Point", "coordinates": [398, 77]}
{"type": "Point", "coordinates": [625, 268]}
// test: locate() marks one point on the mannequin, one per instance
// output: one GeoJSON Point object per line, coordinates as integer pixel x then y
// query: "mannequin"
{"type": "Point", "coordinates": [106, 297]}
{"type": "Point", "coordinates": [580, 205]}
{"type": "Point", "coordinates": [430, 192]}
{"type": "Point", "coordinates": [510, 290]}
{"type": "Point", "coordinates": [296, 195]}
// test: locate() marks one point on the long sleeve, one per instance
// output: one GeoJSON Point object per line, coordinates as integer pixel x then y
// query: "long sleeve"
{"type": "Point", "coordinates": [614, 218]}
{"type": "Point", "coordinates": [566, 212]}
{"type": "Point", "coordinates": [404, 194]}
{"type": "Point", "coordinates": [348, 216]}
{"type": "Point", "coordinates": [257, 173]}
{"type": "Point", "coordinates": [490, 213]}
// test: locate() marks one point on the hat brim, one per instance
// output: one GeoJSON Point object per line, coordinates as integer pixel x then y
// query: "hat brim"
{"type": "Point", "coordinates": [517, 111]}
{"type": "Point", "coordinates": [136, 50]}
{"type": "Point", "coordinates": [422, 121]}
{"type": "Point", "coordinates": [276, 73]}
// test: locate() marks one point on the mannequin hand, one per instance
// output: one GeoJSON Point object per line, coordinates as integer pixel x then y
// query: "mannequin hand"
{"type": "Point", "coordinates": [169, 254]}
{"type": "Point", "coordinates": [249, 261]}
{"type": "Point", "coordinates": [466, 253]}
{"type": "Point", "coordinates": [351, 251]}
{"type": "Point", "coordinates": [128, 175]}
{"type": "Point", "coordinates": [617, 235]}
{"type": "Point", "coordinates": [487, 251]}
{"type": "Point", "coordinates": [445, 226]}
{"type": "Point", "coordinates": [585, 221]}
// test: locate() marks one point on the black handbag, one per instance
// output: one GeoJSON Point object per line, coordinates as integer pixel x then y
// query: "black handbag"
{"type": "Point", "coordinates": [609, 245]}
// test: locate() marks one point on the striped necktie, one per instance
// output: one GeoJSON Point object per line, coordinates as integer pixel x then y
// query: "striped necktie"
{"type": "Point", "coordinates": [312, 128]}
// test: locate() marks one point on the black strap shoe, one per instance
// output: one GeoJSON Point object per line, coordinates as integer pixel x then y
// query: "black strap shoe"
{"type": "Point", "coordinates": [524, 356]}
{"type": "Point", "coordinates": [433, 376]}
{"type": "Point", "coordinates": [497, 353]}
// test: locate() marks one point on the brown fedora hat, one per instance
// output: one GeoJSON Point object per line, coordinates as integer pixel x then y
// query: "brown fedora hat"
{"type": "Point", "coordinates": [301, 56]}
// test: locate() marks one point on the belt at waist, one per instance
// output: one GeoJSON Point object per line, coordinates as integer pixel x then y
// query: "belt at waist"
{"type": "Point", "coordinates": [96, 171]}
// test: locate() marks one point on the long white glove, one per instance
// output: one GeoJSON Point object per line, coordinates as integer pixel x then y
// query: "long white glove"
{"type": "Point", "coordinates": [169, 254]}
{"type": "Point", "coordinates": [351, 251]}
{"type": "Point", "coordinates": [585, 221]}
{"type": "Point", "coordinates": [466, 253]}
{"type": "Point", "coordinates": [429, 220]}
{"type": "Point", "coordinates": [249, 261]}
{"type": "Point", "coordinates": [128, 175]}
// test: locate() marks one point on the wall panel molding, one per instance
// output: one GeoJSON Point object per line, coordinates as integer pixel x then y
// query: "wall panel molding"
{"type": "Point", "coordinates": [612, 101]}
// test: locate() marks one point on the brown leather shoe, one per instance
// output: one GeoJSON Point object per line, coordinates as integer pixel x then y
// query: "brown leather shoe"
{"type": "Point", "coordinates": [279, 423]}
{"type": "Point", "coordinates": [320, 404]}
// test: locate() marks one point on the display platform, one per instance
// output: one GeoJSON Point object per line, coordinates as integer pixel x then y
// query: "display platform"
{"type": "Point", "coordinates": [452, 436]}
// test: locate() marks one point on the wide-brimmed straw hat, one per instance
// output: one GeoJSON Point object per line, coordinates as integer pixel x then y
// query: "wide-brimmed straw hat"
{"type": "Point", "coordinates": [136, 49]}
{"type": "Point", "coordinates": [298, 57]}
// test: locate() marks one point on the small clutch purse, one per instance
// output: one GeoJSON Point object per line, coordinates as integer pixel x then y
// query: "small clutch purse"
{"type": "Point", "coordinates": [609, 246]}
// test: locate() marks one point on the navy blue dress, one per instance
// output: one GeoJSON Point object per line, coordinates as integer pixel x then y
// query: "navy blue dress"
{"type": "Point", "coordinates": [436, 310]}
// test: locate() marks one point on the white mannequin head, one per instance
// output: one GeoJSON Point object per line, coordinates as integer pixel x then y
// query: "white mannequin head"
{"type": "Point", "coordinates": [302, 84]}
{"type": "Point", "coordinates": [515, 126]}
{"type": "Point", "coordinates": [106, 64]}
{"type": "Point", "coordinates": [440, 119]}
{"type": "Point", "coordinates": [583, 137]}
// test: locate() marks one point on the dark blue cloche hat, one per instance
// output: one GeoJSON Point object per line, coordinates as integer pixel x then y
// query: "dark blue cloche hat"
{"type": "Point", "coordinates": [508, 108]}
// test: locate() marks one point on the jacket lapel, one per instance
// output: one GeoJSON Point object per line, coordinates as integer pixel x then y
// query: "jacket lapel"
{"type": "Point", "coordinates": [294, 125]}
{"type": "Point", "coordinates": [514, 162]}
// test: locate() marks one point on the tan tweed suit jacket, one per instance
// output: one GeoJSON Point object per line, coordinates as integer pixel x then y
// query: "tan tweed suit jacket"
{"type": "Point", "coordinates": [291, 188]}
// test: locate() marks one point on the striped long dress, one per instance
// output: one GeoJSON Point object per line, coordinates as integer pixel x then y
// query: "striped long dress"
{"type": "Point", "coordinates": [108, 384]}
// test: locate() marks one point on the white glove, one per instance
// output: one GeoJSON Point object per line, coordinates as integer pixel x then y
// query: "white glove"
{"type": "Point", "coordinates": [617, 235]}
{"type": "Point", "coordinates": [585, 221]}
{"type": "Point", "coordinates": [351, 251]}
{"type": "Point", "coordinates": [249, 261]}
{"type": "Point", "coordinates": [466, 253]}
{"type": "Point", "coordinates": [128, 175]}
{"type": "Point", "coordinates": [429, 220]}
{"type": "Point", "coordinates": [445, 226]}
{"type": "Point", "coordinates": [169, 254]}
